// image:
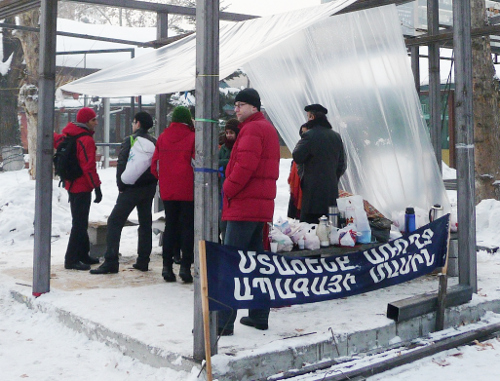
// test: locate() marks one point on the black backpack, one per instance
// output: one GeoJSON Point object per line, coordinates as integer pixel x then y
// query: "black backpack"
{"type": "Point", "coordinates": [65, 160]}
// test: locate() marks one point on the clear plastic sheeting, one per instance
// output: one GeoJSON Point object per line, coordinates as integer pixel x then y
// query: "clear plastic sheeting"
{"type": "Point", "coordinates": [353, 64]}
{"type": "Point", "coordinates": [173, 67]}
{"type": "Point", "coordinates": [356, 66]}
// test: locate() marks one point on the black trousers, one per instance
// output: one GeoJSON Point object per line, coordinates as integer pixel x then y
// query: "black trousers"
{"type": "Point", "coordinates": [245, 235]}
{"type": "Point", "coordinates": [142, 199]}
{"type": "Point", "coordinates": [78, 244]}
{"type": "Point", "coordinates": [179, 229]}
{"type": "Point", "coordinates": [311, 218]}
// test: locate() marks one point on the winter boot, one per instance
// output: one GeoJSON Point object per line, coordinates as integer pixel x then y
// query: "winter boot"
{"type": "Point", "coordinates": [168, 274]}
{"type": "Point", "coordinates": [141, 264]}
{"type": "Point", "coordinates": [106, 268]}
{"type": "Point", "coordinates": [185, 274]}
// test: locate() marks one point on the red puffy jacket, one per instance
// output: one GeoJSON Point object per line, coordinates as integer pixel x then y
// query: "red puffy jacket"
{"type": "Point", "coordinates": [171, 163]}
{"type": "Point", "coordinates": [85, 151]}
{"type": "Point", "coordinates": [250, 185]}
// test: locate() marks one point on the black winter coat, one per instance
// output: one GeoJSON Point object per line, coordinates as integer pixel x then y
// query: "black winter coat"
{"type": "Point", "coordinates": [147, 178]}
{"type": "Point", "coordinates": [321, 153]}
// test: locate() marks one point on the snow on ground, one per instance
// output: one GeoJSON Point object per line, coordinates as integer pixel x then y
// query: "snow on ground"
{"type": "Point", "coordinates": [35, 345]}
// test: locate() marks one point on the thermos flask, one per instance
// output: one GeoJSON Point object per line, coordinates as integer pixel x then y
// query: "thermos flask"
{"type": "Point", "coordinates": [409, 220]}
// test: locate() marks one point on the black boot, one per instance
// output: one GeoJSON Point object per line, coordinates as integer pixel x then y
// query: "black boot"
{"type": "Point", "coordinates": [185, 274]}
{"type": "Point", "coordinates": [248, 321]}
{"type": "Point", "coordinates": [77, 266]}
{"type": "Point", "coordinates": [106, 268]}
{"type": "Point", "coordinates": [90, 260]}
{"type": "Point", "coordinates": [141, 264]}
{"type": "Point", "coordinates": [168, 274]}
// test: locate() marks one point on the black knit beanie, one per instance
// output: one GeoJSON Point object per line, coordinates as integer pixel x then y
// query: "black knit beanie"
{"type": "Point", "coordinates": [145, 119]}
{"type": "Point", "coordinates": [250, 96]}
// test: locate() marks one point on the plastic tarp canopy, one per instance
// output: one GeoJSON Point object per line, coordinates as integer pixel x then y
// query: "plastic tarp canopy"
{"type": "Point", "coordinates": [354, 64]}
{"type": "Point", "coordinates": [357, 67]}
{"type": "Point", "coordinates": [172, 68]}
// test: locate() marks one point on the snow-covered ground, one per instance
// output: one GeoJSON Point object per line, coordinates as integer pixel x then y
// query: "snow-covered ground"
{"type": "Point", "coordinates": [35, 345]}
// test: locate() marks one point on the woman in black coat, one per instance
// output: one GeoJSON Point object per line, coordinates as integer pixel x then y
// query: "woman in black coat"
{"type": "Point", "coordinates": [321, 154]}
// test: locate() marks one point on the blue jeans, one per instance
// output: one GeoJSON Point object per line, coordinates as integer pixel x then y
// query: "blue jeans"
{"type": "Point", "coordinates": [245, 235]}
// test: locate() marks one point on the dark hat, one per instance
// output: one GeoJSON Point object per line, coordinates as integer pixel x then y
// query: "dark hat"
{"type": "Point", "coordinates": [85, 114]}
{"type": "Point", "coordinates": [181, 114]}
{"type": "Point", "coordinates": [250, 96]}
{"type": "Point", "coordinates": [232, 124]}
{"type": "Point", "coordinates": [316, 108]}
{"type": "Point", "coordinates": [145, 119]}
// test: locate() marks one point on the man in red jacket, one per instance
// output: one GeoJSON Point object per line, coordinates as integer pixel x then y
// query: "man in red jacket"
{"type": "Point", "coordinates": [249, 192]}
{"type": "Point", "coordinates": [80, 190]}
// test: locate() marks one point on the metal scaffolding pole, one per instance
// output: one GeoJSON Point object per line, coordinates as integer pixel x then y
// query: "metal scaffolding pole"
{"type": "Point", "coordinates": [206, 191]}
{"type": "Point", "coordinates": [464, 130]}
{"type": "Point", "coordinates": [434, 80]}
{"type": "Point", "coordinates": [45, 148]}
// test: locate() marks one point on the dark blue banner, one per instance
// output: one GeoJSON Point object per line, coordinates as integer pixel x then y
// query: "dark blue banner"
{"type": "Point", "coordinates": [241, 279]}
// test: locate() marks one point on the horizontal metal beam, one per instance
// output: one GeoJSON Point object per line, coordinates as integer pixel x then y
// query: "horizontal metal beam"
{"type": "Point", "coordinates": [419, 305]}
{"type": "Point", "coordinates": [367, 4]}
{"type": "Point", "coordinates": [14, 7]}
{"type": "Point", "coordinates": [447, 36]}
{"type": "Point", "coordinates": [85, 36]}
{"type": "Point", "coordinates": [162, 8]}
{"type": "Point", "coordinates": [97, 51]}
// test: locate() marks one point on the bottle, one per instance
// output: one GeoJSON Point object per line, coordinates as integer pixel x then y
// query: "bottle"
{"type": "Point", "coordinates": [333, 216]}
{"type": "Point", "coordinates": [410, 220]}
{"type": "Point", "coordinates": [322, 232]}
{"type": "Point", "coordinates": [300, 242]}
{"type": "Point", "coordinates": [341, 220]}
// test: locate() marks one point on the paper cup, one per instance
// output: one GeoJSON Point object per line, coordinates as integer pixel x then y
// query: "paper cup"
{"type": "Point", "coordinates": [274, 247]}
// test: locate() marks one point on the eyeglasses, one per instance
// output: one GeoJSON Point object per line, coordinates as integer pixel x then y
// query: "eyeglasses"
{"type": "Point", "coordinates": [239, 104]}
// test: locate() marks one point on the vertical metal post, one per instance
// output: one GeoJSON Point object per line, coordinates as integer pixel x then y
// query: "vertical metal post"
{"type": "Point", "coordinates": [464, 132]}
{"type": "Point", "coordinates": [415, 66]}
{"type": "Point", "coordinates": [206, 192]}
{"type": "Point", "coordinates": [45, 148]}
{"type": "Point", "coordinates": [107, 116]}
{"type": "Point", "coordinates": [128, 126]}
{"type": "Point", "coordinates": [161, 99]}
{"type": "Point", "coordinates": [434, 80]}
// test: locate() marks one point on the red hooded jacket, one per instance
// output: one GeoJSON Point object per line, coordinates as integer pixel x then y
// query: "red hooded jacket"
{"type": "Point", "coordinates": [85, 151]}
{"type": "Point", "coordinates": [171, 163]}
{"type": "Point", "coordinates": [250, 185]}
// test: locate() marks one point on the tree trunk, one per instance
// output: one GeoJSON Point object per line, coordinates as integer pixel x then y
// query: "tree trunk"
{"type": "Point", "coordinates": [9, 87]}
{"type": "Point", "coordinates": [486, 115]}
{"type": "Point", "coordinates": [28, 95]}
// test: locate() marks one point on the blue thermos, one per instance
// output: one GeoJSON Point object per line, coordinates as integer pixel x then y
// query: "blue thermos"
{"type": "Point", "coordinates": [409, 220]}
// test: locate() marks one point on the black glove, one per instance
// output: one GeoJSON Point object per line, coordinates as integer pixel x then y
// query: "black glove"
{"type": "Point", "coordinates": [98, 195]}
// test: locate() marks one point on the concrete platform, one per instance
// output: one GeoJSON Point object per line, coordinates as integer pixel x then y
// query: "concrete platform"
{"type": "Point", "coordinates": [151, 320]}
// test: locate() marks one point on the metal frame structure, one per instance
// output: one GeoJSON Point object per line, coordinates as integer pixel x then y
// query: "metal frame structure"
{"type": "Point", "coordinates": [208, 16]}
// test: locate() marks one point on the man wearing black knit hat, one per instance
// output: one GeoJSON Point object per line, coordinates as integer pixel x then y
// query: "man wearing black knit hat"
{"type": "Point", "coordinates": [249, 191]}
{"type": "Point", "coordinates": [137, 187]}
{"type": "Point", "coordinates": [320, 152]}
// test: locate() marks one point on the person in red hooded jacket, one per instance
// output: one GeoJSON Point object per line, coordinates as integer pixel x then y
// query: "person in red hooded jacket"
{"type": "Point", "coordinates": [171, 165]}
{"type": "Point", "coordinates": [249, 192]}
{"type": "Point", "coordinates": [80, 190]}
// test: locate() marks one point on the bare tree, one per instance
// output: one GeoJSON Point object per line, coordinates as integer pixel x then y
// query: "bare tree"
{"type": "Point", "coordinates": [9, 87]}
{"type": "Point", "coordinates": [486, 111]}
{"type": "Point", "coordinates": [28, 94]}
